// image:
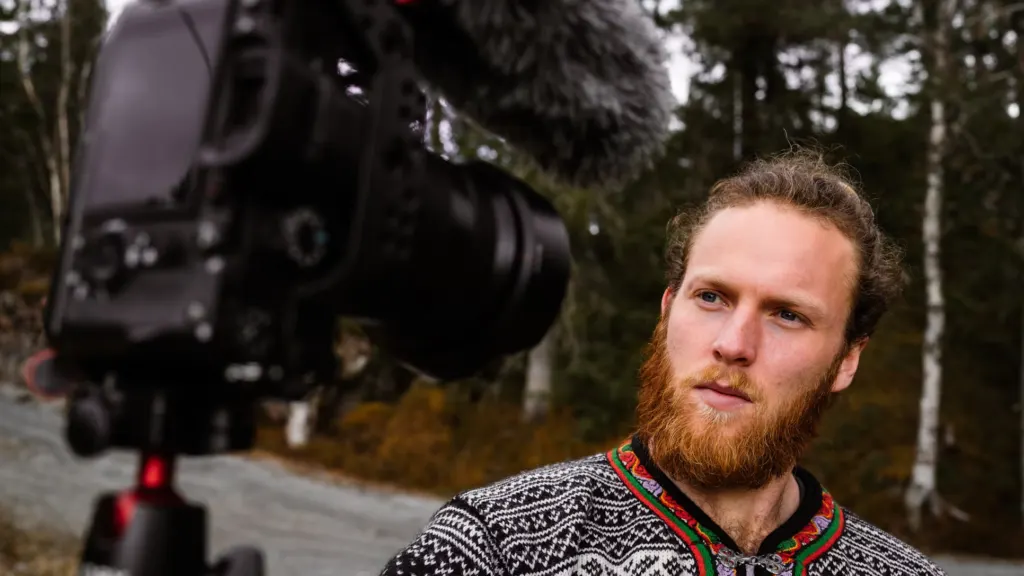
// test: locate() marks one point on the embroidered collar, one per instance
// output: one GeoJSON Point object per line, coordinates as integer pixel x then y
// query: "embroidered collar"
{"type": "Point", "coordinates": [787, 551]}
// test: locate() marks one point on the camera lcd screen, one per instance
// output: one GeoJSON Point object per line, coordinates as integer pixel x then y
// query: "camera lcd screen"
{"type": "Point", "coordinates": [150, 106]}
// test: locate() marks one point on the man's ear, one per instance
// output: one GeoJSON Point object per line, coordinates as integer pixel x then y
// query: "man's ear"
{"type": "Point", "coordinates": [848, 368]}
{"type": "Point", "coordinates": [666, 301]}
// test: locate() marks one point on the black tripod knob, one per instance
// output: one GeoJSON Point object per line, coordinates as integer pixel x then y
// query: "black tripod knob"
{"type": "Point", "coordinates": [239, 561]}
{"type": "Point", "coordinates": [88, 423]}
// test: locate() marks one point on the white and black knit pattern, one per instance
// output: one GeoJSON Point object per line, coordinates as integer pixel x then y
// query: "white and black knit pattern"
{"type": "Point", "coordinates": [866, 549]}
{"type": "Point", "coordinates": [579, 518]}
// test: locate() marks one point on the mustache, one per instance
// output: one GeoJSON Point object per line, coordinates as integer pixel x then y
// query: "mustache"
{"type": "Point", "coordinates": [735, 379]}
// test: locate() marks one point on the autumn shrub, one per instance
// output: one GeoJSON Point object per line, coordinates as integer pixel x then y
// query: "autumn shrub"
{"type": "Point", "coordinates": [416, 446]}
{"type": "Point", "coordinates": [33, 552]}
{"type": "Point", "coordinates": [362, 431]}
{"type": "Point", "coordinates": [487, 443]}
{"type": "Point", "coordinates": [26, 270]}
{"type": "Point", "coordinates": [432, 441]}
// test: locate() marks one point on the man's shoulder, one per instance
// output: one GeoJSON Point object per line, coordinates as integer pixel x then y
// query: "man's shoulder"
{"type": "Point", "coordinates": [525, 522]}
{"type": "Point", "coordinates": [560, 480]}
{"type": "Point", "coordinates": [878, 548]}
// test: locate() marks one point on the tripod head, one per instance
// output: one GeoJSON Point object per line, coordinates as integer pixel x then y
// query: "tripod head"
{"type": "Point", "coordinates": [150, 529]}
{"type": "Point", "coordinates": [249, 171]}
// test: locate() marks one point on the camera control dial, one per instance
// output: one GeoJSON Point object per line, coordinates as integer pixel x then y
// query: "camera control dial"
{"type": "Point", "coordinates": [101, 258]}
{"type": "Point", "coordinates": [305, 237]}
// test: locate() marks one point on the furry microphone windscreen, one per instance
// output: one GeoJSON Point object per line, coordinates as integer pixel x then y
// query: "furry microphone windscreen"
{"type": "Point", "coordinates": [579, 86]}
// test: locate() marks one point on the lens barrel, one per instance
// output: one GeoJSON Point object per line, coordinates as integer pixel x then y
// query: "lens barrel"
{"type": "Point", "coordinates": [485, 277]}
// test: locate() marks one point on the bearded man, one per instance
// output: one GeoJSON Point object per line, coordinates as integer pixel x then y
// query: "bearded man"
{"type": "Point", "coordinates": [773, 289]}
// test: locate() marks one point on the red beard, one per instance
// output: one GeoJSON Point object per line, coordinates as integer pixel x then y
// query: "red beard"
{"type": "Point", "coordinates": [712, 450]}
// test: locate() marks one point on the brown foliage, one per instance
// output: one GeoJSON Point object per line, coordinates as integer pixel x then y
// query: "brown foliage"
{"type": "Point", "coordinates": [34, 552]}
{"type": "Point", "coordinates": [431, 442]}
{"type": "Point", "coordinates": [24, 281]}
{"type": "Point", "coordinates": [435, 442]}
{"type": "Point", "coordinates": [26, 270]}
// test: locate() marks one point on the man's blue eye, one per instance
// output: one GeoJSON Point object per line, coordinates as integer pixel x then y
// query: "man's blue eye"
{"type": "Point", "coordinates": [708, 297]}
{"type": "Point", "coordinates": [789, 316]}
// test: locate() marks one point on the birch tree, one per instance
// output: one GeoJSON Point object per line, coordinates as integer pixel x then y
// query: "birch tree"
{"type": "Point", "coordinates": [537, 392]}
{"type": "Point", "coordinates": [53, 133]}
{"type": "Point", "coordinates": [922, 488]}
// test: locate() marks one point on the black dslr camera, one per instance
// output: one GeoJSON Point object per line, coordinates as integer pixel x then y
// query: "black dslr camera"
{"type": "Point", "coordinates": [250, 170]}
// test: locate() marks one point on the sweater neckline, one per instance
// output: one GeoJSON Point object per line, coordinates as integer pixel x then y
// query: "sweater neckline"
{"type": "Point", "coordinates": [808, 533]}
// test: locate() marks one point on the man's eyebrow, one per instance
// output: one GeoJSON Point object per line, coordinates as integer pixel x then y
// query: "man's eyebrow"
{"type": "Point", "coordinates": [712, 281]}
{"type": "Point", "coordinates": [802, 305]}
{"type": "Point", "coordinates": [795, 302]}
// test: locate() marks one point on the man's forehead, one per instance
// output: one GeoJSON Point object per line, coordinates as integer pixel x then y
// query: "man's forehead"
{"type": "Point", "coordinates": [776, 249]}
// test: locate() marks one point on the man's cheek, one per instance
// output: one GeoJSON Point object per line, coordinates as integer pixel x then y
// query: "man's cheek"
{"type": "Point", "coordinates": [685, 340]}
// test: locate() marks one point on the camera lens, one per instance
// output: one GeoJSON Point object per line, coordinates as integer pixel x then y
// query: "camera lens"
{"type": "Point", "coordinates": [481, 270]}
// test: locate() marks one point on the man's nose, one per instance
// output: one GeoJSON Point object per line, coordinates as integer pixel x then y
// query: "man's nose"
{"type": "Point", "coordinates": [737, 341]}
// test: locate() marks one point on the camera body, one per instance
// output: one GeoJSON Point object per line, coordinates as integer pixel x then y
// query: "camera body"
{"type": "Point", "coordinates": [250, 171]}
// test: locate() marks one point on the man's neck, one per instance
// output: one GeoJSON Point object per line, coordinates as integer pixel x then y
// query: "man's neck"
{"type": "Point", "coordinates": [748, 516]}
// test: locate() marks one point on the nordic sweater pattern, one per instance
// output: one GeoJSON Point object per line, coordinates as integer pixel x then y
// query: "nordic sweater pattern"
{"type": "Point", "coordinates": [616, 514]}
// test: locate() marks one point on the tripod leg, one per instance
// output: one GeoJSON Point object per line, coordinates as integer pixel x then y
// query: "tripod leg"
{"type": "Point", "coordinates": [240, 561]}
{"type": "Point", "coordinates": [164, 540]}
{"type": "Point", "coordinates": [159, 540]}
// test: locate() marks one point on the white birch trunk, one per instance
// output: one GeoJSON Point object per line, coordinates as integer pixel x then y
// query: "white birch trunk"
{"type": "Point", "coordinates": [297, 430]}
{"type": "Point", "coordinates": [63, 127]}
{"type": "Point", "coordinates": [56, 150]}
{"type": "Point", "coordinates": [922, 486]}
{"type": "Point", "coordinates": [537, 392]}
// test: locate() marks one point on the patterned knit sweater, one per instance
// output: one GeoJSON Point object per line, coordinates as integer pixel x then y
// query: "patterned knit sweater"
{"type": "Point", "coordinates": [618, 514]}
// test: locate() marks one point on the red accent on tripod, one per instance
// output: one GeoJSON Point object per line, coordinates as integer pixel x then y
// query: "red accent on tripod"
{"type": "Point", "coordinates": [154, 486]}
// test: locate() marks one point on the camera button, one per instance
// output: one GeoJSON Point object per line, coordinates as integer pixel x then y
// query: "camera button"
{"type": "Point", "coordinates": [103, 260]}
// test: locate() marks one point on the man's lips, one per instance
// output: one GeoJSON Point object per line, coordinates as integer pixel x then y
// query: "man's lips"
{"type": "Point", "coordinates": [722, 389]}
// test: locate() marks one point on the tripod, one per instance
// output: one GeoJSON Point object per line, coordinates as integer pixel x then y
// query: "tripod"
{"type": "Point", "coordinates": [150, 529]}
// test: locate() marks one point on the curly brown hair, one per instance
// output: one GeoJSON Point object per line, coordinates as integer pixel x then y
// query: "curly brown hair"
{"type": "Point", "coordinates": [802, 179]}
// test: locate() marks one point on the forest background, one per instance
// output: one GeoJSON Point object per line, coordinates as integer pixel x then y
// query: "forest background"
{"type": "Point", "coordinates": [928, 443]}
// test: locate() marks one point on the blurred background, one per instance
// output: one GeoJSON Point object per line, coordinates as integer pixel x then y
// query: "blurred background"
{"type": "Point", "coordinates": [923, 99]}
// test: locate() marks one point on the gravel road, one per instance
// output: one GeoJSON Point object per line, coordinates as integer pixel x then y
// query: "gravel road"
{"type": "Point", "coordinates": [306, 526]}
